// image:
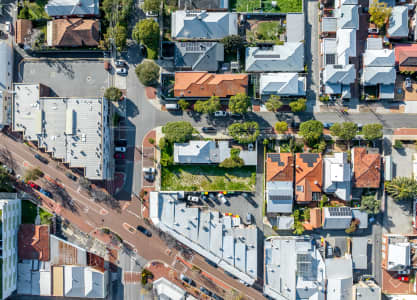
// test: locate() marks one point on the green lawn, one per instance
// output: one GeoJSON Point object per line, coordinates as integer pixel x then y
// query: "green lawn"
{"type": "Point", "coordinates": [29, 213]}
{"type": "Point", "coordinates": [247, 5]}
{"type": "Point", "coordinates": [207, 178]}
{"type": "Point", "coordinates": [283, 6]}
{"type": "Point", "coordinates": [269, 31]}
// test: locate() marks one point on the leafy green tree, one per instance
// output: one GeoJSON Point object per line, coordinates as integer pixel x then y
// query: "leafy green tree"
{"type": "Point", "coordinates": [273, 103]}
{"type": "Point", "coordinates": [353, 226]}
{"type": "Point", "coordinates": [233, 43]}
{"type": "Point", "coordinates": [345, 131]}
{"type": "Point", "coordinates": [24, 13]}
{"type": "Point", "coordinates": [183, 104]}
{"type": "Point", "coordinates": [370, 204]}
{"type": "Point", "coordinates": [299, 105]}
{"type": "Point", "coordinates": [372, 132]}
{"type": "Point", "coordinates": [398, 144]}
{"type": "Point", "coordinates": [113, 94]}
{"type": "Point", "coordinates": [402, 188]}
{"type": "Point", "coordinates": [244, 133]}
{"type": "Point", "coordinates": [311, 131]}
{"type": "Point", "coordinates": [208, 106]}
{"type": "Point", "coordinates": [239, 103]}
{"type": "Point", "coordinates": [178, 132]}
{"type": "Point", "coordinates": [281, 126]}
{"type": "Point", "coordinates": [379, 13]}
{"type": "Point", "coordinates": [147, 32]}
{"type": "Point", "coordinates": [123, 9]}
{"type": "Point", "coordinates": [33, 174]}
{"type": "Point", "coordinates": [147, 73]}
{"type": "Point", "coordinates": [5, 184]}
{"type": "Point", "coordinates": [152, 5]}
{"type": "Point", "coordinates": [117, 33]}
{"type": "Point", "coordinates": [232, 162]}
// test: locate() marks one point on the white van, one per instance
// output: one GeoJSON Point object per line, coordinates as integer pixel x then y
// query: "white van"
{"type": "Point", "coordinates": [172, 106]}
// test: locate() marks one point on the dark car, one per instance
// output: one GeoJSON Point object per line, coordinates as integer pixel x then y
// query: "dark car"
{"type": "Point", "coordinates": [71, 176]}
{"type": "Point", "coordinates": [46, 193]}
{"type": "Point", "coordinates": [216, 297]}
{"type": "Point", "coordinates": [119, 155]}
{"type": "Point", "coordinates": [41, 158]}
{"type": "Point", "coordinates": [236, 116]}
{"type": "Point", "coordinates": [149, 177]}
{"type": "Point", "coordinates": [119, 63]}
{"type": "Point", "coordinates": [187, 280]}
{"type": "Point", "coordinates": [120, 143]}
{"type": "Point", "coordinates": [144, 231]}
{"type": "Point", "coordinates": [209, 130]}
{"type": "Point", "coordinates": [206, 291]}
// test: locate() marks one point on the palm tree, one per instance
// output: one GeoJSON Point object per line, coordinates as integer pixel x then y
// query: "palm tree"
{"type": "Point", "coordinates": [402, 188]}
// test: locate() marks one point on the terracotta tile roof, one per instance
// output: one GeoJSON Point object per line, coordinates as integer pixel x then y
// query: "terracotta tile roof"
{"type": "Point", "coordinates": [75, 32]}
{"type": "Point", "coordinates": [33, 242]}
{"type": "Point", "coordinates": [203, 84]}
{"type": "Point", "coordinates": [366, 168]}
{"type": "Point", "coordinates": [308, 176]}
{"type": "Point", "coordinates": [403, 51]}
{"type": "Point", "coordinates": [315, 217]}
{"type": "Point", "coordinates": [23, 29]}
{"type": "Point", "coordinates": [280, 167]}
{"type": "Point", "coordinates": [405, 131]}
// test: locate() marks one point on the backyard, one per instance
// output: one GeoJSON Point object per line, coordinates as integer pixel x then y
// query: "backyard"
{"type": "Point", "coordinates": [29, 214]}
{"type": "Point", "coordinates": [267, 6]}
{"type": "Point", "coordinates": [265, 31]}
{"type": "Point", "coordinates": [207, 178]}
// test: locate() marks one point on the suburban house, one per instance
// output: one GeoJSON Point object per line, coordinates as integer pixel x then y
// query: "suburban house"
{"type": "Point", "coordinates": [203, 4]}
{"type": "Point", "coordinates": [191, 24]}
{"type": "Point", "coordinates": [367, 290]}
{"type": "Point", "coordinates": [359, 253]}
{"type": "Point", "coordinates": [279, 182]}
{"type": "Point", "coordinates": [216, 237]}
{"type": "Point", "coordinates": [308, 177]}
{"type": "Point", "coordinates": [366, 168]}
{"type": "Point", "coordinates": [293, 269]}
{"type": "Point", "coordinates": [282, 84]}
{"type": "Point", "coordinates": [209, 152]}
{"type": "Point", "coordinates": [204, 84]}
{"type": "Point", "coordinates": [406, 57]}
{"type": "Point", "coordinates": [74, 32]}
{"type": "Point", "coordinates": [337, 80]}
{"type": "Point", "coordinates": [72, 8]}
{"type": "Point", "coordinates": [347, 15]}
{"type": "Point", "coordinates": [397, 253]}
{"type": "Point", "coordinates": [73, 130]}
{"type": "Point", "coordinates": [6, 76]}
{"type": "Point", "coordinates": [337, 176]}
{"type": "Point", "coordinates": [398, 23]}
{"type": "Point", "coordinates": [23, 31]}
{"type": "Point", "coordinates": [339, 278]}
{"type": "Point", "coordinates": [378, 73]}
{"type": "Point", "coordinates": [198, 56]}
{"type": "Point", "coordinates": [277, 58]}
{"type": "Point", "coordinates": [336, 217]}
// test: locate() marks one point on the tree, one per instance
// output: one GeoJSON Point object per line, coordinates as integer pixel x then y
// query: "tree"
{"type": "Point", "coordinates": [33, 174]}
{"type": "Point", "coordinates": [311, 131]}
{"type": "Point", "coordinates": [353, 226]}
{"type": "Point", "coordinates": [85, 183]}
{"type": "Point", "coordinates": [273, 103]}
{"type": "Point", "coordinates": [239, 103]}
{"type": "Point", "coordinates": [345, 131]}
{"type": "Point", "coordinates": [370, 204]}
{"type": "Point", "coordinates": [24, 12]}
{"type": "Point", "coordinates": [123, 8]}
{"type": "Point", "coordinates": [183, 104]}
{"type": "Point", "coordinates": [232, 43]}
{"type": "Point", "coordinates": [372, 132]}
{"type": "Point", "coordinates": [147, 32]}
{"type": "Point", "coordinates": [113, 94]}
{"type": "Point", "coordinates": [379, 13]}
{"type": "Point", "coordinates": [402, 188]}
{"type": "Point", "coordinates": [208, 106]}
{"type": "Point", "coordinates": [147, 73]}
{"type": "Point", "coordinates": [299, 105]}
{"type": "Point", "coordinates": [398, 144]}
{"type": "Point", "coordinates": [119, 34]}
{"type": "Point", "coordinates": [281, 126]}
{"type": "Point", "coordinates": [152, 5]}
{"type": "Point", "coordinates": [151, 141]}
{"type": "Point", "coordinates": [244, 133]}
{"type": "Point", "coordinates": [5, 185]}
{"type": "Point", "coordinates": [178, 132]}
{"type": "Point", "coordinates": [232, 162]}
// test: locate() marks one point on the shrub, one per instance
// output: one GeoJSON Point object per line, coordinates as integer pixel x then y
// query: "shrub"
{"type": "Point", "coordinates": [113, 94]}
{"type": "Point", "coordinates": [151, 141]}
{"type": "Point", "coordinates": [398, 144]}
{"type": "Point", "coordinates": [147, 73]}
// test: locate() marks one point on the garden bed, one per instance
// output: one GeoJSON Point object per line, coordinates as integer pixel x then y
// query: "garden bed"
{"type": "Point", "coordinates": [266, 6]}
{"type": "Point", "coordinates": [29, 214]}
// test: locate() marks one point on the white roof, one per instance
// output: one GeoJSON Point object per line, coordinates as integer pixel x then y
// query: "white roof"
{"type": "Point", "coordinates": [339, 278]}
{"type": "Point", "coordinates": [165, 289]}
{"type": "Point", "coordinates": [6, 61]}
{"type": "Point", "coordinates": [283, 84]}
{"type": "Point", "coordinates": [56, 8]}
{"type": "Point", "coordinates": [346, 45]}
{"type": "Point", "coordinates": [398, 256]}
{"type": "Point", "coordinates": [348, 17]}
{"type": "Point", "coordinates": [84, 282]}
{"type": "Point", "coordinates": [337, 175]}
{"type": "Point", "coordinates": [398, 22]}
{"type": "Point", "coordinates": [379, 58]}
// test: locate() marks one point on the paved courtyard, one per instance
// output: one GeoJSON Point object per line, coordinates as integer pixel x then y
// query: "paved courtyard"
{"type": "Point", "coordinates": [70, 78]}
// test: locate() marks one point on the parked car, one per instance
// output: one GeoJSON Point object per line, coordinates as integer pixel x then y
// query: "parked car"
{"type": "Point", "coordinates": [249, 218]}
{"type": "Point", "coordinates": [8, 26]}
{"type": "Point", "coordinates": [407, 82]}
{"type": "Point", "coordinates": [119, 63]}
{"type": "Point", "coordinates": [121, 71]}
{"type": "Point", "coordinates": [236, 116]}
{"type": "Point", "coordinates": [34, 185]}
{"type": "Point", "coordinates": [71, 176]}
{"type": "Point", "coordinates": [216, 297]}
{"type": "Point", "coordinates": [45, 192]}
{"type": "Point", "coordinates": [206, 291]}
{"type": "Point", "coordinates": [119, 155]}
{"type": "Point", "coordinates": [328, 125]}
{"type": "Point", "coordinates": [143, 50]}
{"type": "Point", "coordinates": [149, 170]}
{"type": "Point", "coordinates": [221, 113]}
{"type": "Point", "coordinates": [151, 14]}
{"type": "Point", "coordinates": [209, 130]}
{"type": "Point", "coordinates": [222, 198]}
{"type": "Point", "coordinates": [373, 30]}
{"type": "Point", "coordinates": [192, 198]}
{"type": "Point", "coordinates": [149, 177]}
{"type": "Point", "coordinates": [403, 278]}
{"type": "Point", "coordinates": [187, 280]}
{"type": "Point", "coordinates": [144, 231]}
{"type": "Point", "coordinates": [120, 143]}
{"type": "Point", "coordinates": [120, 149]}
{"type": "Point", "coordinates": [41, 158]}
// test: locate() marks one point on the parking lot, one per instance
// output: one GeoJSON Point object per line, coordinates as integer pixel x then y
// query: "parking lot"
{"type": "Point", "coordinates": [67, 78]}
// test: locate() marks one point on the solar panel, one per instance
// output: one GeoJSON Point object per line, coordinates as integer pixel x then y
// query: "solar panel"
{"type": "Point", "coordinates": [330, 59]}
{"type": "Point", "coordinates": [276, 158]}
{"type": "Point", "coordinates": [339, 211]}
{"type": "Point", "coordinates": [279, 197]}
{"type": "Point", "coordinates": [309, 158]}
{"type": "Point", "coordinates": [267, 56]}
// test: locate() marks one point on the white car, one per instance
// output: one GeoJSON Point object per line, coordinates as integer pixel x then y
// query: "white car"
{"type": "Point", "coordinates": [221, 113]}
{"type": "Point", "coordinates": [120, 149]}
{"type": "Point", "coordinates": [8, 26]}
{"type": "Point", "coordinates": [192, 198]}
{"type": "Point", "coordinates": [149, 170]}
{"type": "Point", "coordinates": [408, 84]}
{"type": "Point", "coordinates": [222, 198]}
{"type": "Point", "coordinates": [121, 71]}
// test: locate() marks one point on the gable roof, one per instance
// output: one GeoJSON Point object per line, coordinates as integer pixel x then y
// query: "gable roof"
{"type": "Point", "coordinates": [337, 175]}
{"type": "Point", "coordinates": [329, 24]}
{"type": "Point", "coordinates": [199, 56]}
{"type": "Point", "coordinates": [346, 45]}
{"type": "Point", "coordinates": [280, 196]}
{"type": "Point", "coordinates": [366, 168]}
{"type": "Point", "coordinates": [378, 75]}
{"type": "Point", "coordinates": [339, 74]}
{"type": "Point", "coordinates": [398, 22]}
{"type": "Point", "coordinates": [57, 8]}
{"type": "Point", "coordinates": [284, 84]}
{"type": "Point", "coordinates": [280, 167]}
{"type": "Point", "coordinates": [203, 25]}
{"type": "Point", "coordinates": [33, 241]}
{"type": "Point", "coordinates": [406, 56]}
{"type": "Point", "coordinates": [379, 58]}
{"type": "Point", "coordinates": [308, 175]}
{"type": "Point", "coordinates": [278, 58]}
{"type": "Point", "coordinates": [73, 32]}
{"type": "Point", "coordinates": [359, 253]}
{"type": "Point", "coordinates": [203, 84]}
{"type": "Point", "coordinates": [348, 17]}
{"type": "Point", "coordinates": [23, 31]}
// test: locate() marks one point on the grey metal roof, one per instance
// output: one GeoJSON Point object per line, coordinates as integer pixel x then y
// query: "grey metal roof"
{"type": "Point", "coordinates": [346, 45]}
{"type": "Point", "coordinates": [329, 46]}
{"type": "Point", "coordinates": [378, 75]}
{"type": "Point", "coordinates": [362, 216]}
{"type": "Point", "coordinates": [6, 61]}
{"type": "Point", "coordinates": [295, 27]}
{"type": "Point", "coordinates": [348, 17]}
{"type": "Point", "coordinates": [337, 175]}
{"type": "Point", "coordinates": [202, 4]}
{"type": "Point", "coordinates": [379, 58]}
{"type": "Point", "coordinates": [398, 22]}
{"type": "Point", "coordinates": [279, 58]}
{"type": "Point", "coordinates": [203, 25]}
{"type": "Point", "coordinates": [349, 2]}
{"type": "Point", "coordinates": [329, 24]}
{"type": "Point", "coordinates": [373, 43]}
{"type": "Point", "coordinates": [336, 221]}
{"type": "Point", "coordinates": [339, 276]}
{"type": "Point", "coordinates": [56, 8]}
{"type": "Point", "coordinates": [359, 253]}
{"type": "Point", "coordinates": [283, 84]}
{"type": "Point", "coordinates": [339, 74]}
{"type": "Point", "coordinates": [367, 291]}
{"type": "Point", "coordinates": [386, 91]}
{"type": "Point", "coordinates": [280, 196]}
{"type": "Point", "coordinates": [285, 222]}
{"type": "Point", "coordinates": [199, 56]}
{"type": "Point", "coordinates": [346, 92]}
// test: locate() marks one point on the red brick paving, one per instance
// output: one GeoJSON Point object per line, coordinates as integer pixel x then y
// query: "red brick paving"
{"type": "Point", "coordinates": [150, 92]}
{"type": "Point", "coordinates": [392, 285]}
{"type": "Point", "coordinates": [131, 277]}
{"type": "Point", "coordinates": [150, 134]}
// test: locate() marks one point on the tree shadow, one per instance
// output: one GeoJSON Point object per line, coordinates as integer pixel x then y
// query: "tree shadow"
{"type": "Point", "coordinates": [61, 196]}
{"type": "Point", "coordinates": [131, 109]}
